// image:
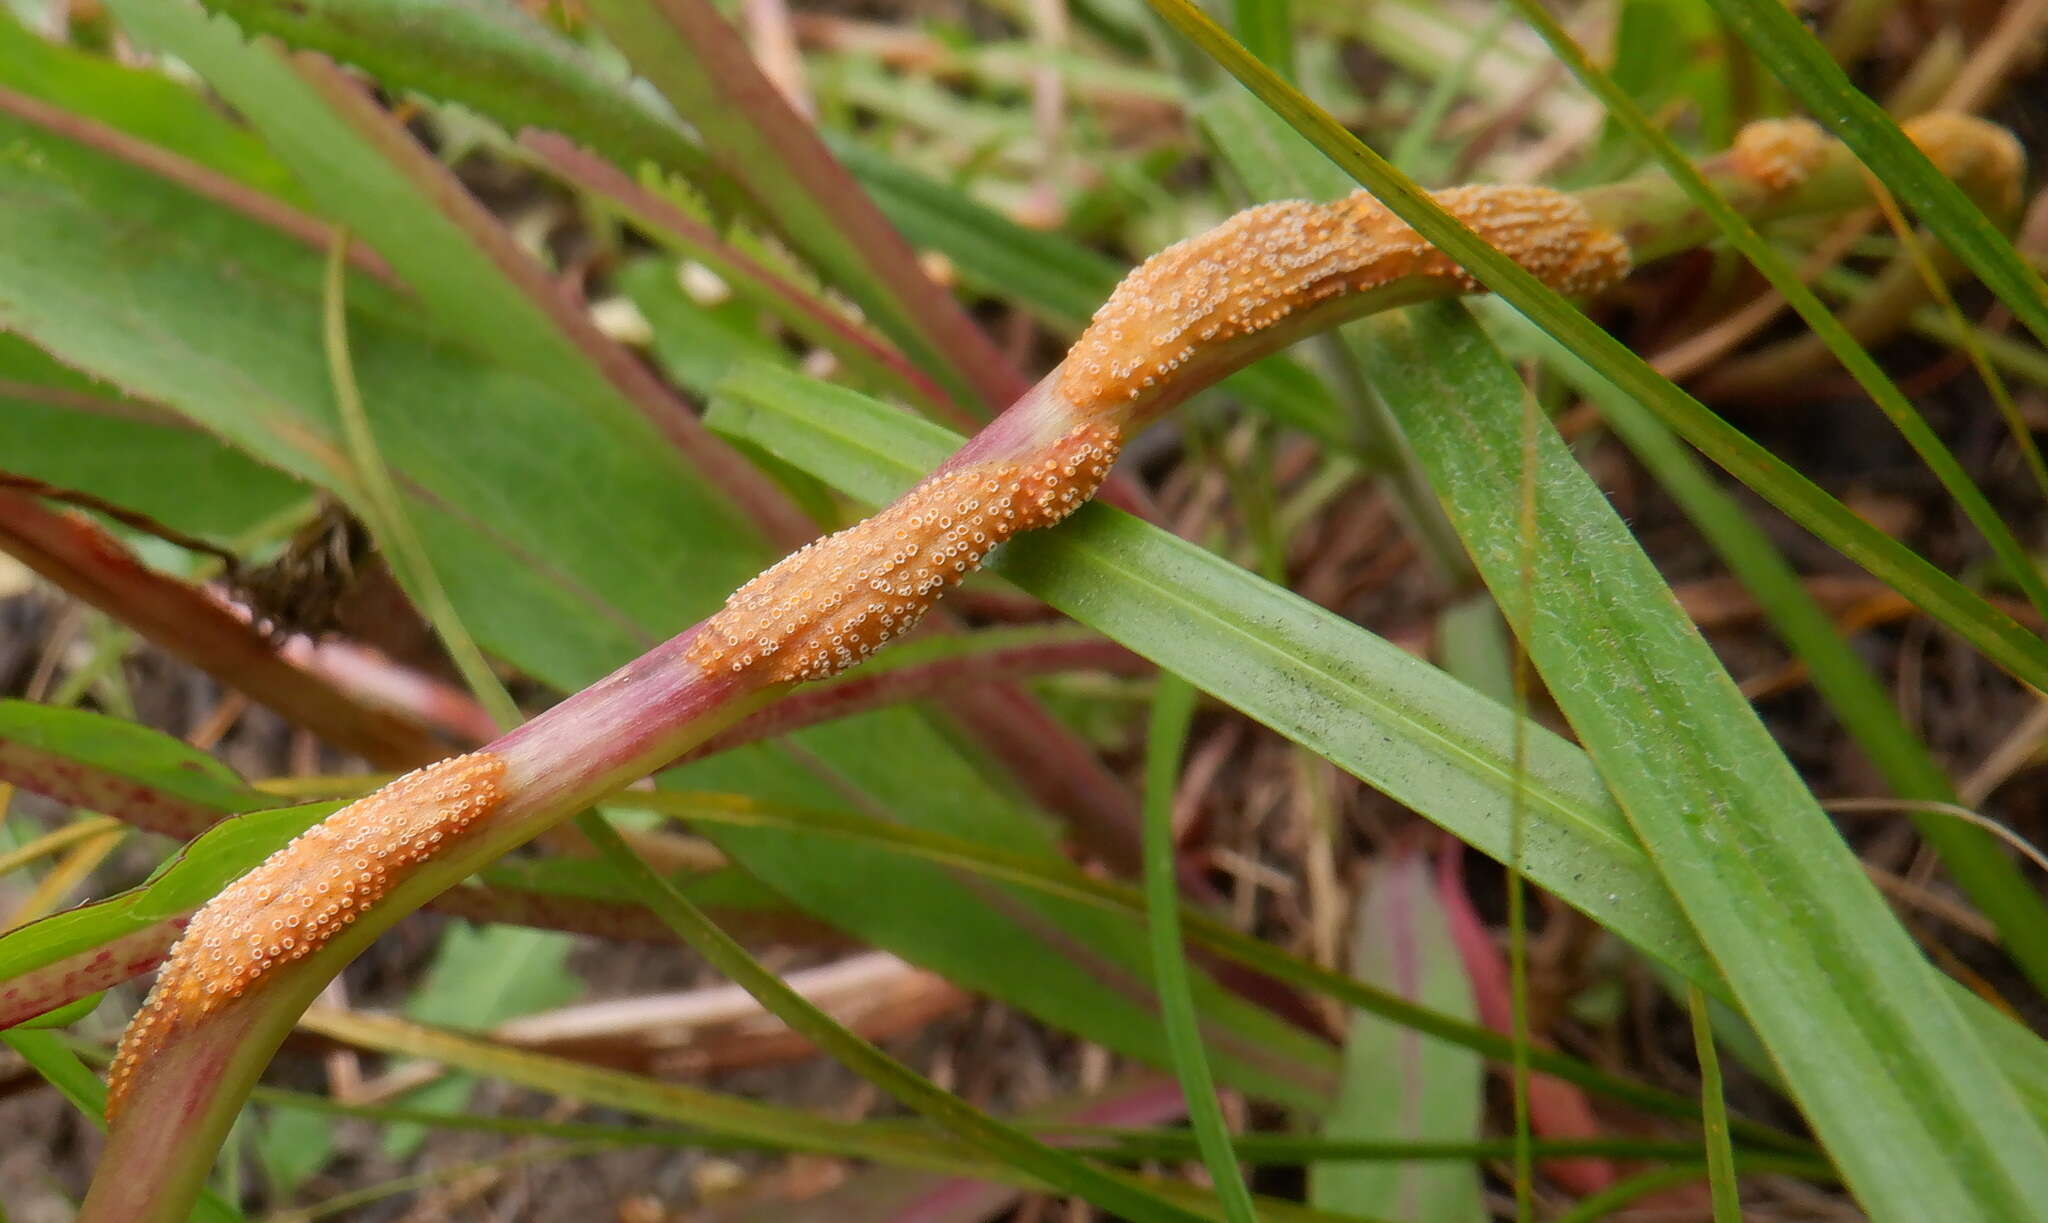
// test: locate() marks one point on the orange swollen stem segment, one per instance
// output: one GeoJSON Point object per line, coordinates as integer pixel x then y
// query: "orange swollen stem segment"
{"type": "Point", "coordinates": [304, 894]}
{"type": "Point", "coordinates": [1188, 316]}
{"type": "Point", "coordinates": [1219, 298]}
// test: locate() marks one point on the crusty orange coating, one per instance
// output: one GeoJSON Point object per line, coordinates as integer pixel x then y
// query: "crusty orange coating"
{"type": "Point", "coordinates": [1779, 154]}
{"type": "Point", "coordinates": [833, 602]}
{"type": "Point", "coordinates": [1269, 262]}
{"type": "Point", "coordinates": [302, 896]}
{"type": "Point", "coordinates": [1983, 158]}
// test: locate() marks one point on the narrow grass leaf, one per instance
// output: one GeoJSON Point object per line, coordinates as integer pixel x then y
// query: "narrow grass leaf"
{"type": "Point", "coordinates": [2001, 639]}
{"type": "Point", "coordinates": [1974, 858]}
{"type": "Point", "coordinates": [1173, 706]}
{"type": "Point", "coordinates": [1906, 1098]}
{"type": "Point", "coordinates": [1940, 460]}
{"type": "Point", "coordinates": [1398, 1087]}
{"type": "Point", "coordinates": [1714, 1113]}
{"type": "Point", "coordinates": [686, 49]}
{"type": "Point", "coordinates": [995, 1137]}
{"type": "Point", "coordinates": [1776, 37]}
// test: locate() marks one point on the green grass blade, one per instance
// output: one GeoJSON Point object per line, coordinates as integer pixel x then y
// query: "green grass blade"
{"type": "Point", "coordinates": [1397, 1085]}
{"type": "Point", "coordinates": [1776, 37]}
{"type": "Point", "coordinates": [1266, 28]}
{"type": "Point", "coordinates": [1978, 863]}
{"type": "Point", "coordinates": [1714, 1113]}
{"type": "Point", "coordinates": [2001, 640]}
{"type": "Point", "coordinates": [1173, 707]}
{"type": "Point", "coordinates": [499, 62]}
{"type": "Point", "coordinates": [1785, 279]}
{"type": "Point", "coordinates": [1908, 1101]}
{"type": "Point", "coordinates": [1057, 878]}
{"type": "Point", "coordinates": [997, 1138]}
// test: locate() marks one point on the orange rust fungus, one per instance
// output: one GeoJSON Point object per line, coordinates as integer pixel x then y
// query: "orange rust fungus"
{"type": "Point", "coordinates": [1982, 158]}
{"type": "Point", "coordinates": [1271, 261]}
{"type": "Point", "coordinates": [1779, 154]}
{"type": "Point", "coordinates": [831, 603]}
{"type": "Point", "coordinates": [302, 896]}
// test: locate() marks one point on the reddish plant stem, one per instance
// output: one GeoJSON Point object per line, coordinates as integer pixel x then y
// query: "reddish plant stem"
{"type": "Point", "coordinates": [777, 157]}
{"type": "Point", "coordinates": [719, 464]}
{"type": "Point", "coordinates": [600, 177]}
{"type": "Point", "coordinates": [184, 621]}
{"type": "Point", "coordinates": [61, 983]}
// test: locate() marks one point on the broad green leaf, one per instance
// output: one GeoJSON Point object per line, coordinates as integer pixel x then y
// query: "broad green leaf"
{"type": "Point", "coordinates": [1905, 1096]}
{"type": "Point", "coordinates": [515, 485]}
{"type": "Point", "coordinates": [143, 104]}
{"type": "Point", "coordinates": [496, 60]}
{"type": "Point", "coordinates": [304, 113]}
{"type": "Point", "coordinates": [50, 429]}
{"type": "Point", "coordinates": [154, 763]}
{"type": "Point", "coordinates": [1397, 1086]}
{"type": "Point", "coordinates": [1978, 862]}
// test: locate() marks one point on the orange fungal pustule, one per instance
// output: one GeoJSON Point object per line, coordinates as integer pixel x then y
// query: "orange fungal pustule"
{"type": "Point", "coordinates": [1275, 260]}
{"type": "Point", "coordinates": [1984, 159]}
{"type": "Point", "coordinates": [1779, 154]}
{"type": "Point", "coordinates": [831, 603]}
{"type": "Point", "coordinates": [303, 895]}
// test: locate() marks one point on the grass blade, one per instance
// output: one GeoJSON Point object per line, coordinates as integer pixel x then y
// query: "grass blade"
{"type": "Point", "coordinates": [1714, 1113]}
{"type": "Point", "coordinates": [1053, 877]}
{"type": "Point", "coordinates": [1974, 858]}
{"type": "Point", "coordinates": [2018, 564]}
{"type": "Point", "coordinates": [1398, 1086]}
{"type": "Point", "coordinates": [2001, 639]}
{"type": "Point", "coordinates": [1003, 1141]}
{"type": "Point", "coordinates": [686, 49]}
{"type": "Point", "coordinates": [1775, 36]}
{"type": "Point", "coordinates": [1173, 707]}
{"type": "Point", "coordinates": [1907, 1100]}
